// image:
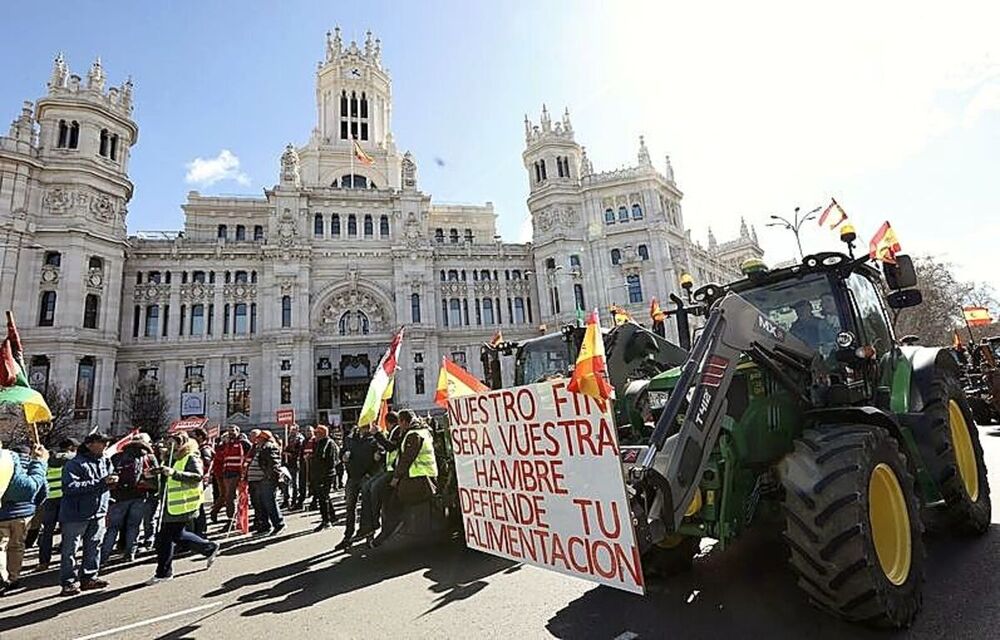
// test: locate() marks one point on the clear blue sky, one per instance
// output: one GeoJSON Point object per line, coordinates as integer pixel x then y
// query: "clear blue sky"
{"type": "Point", "coordinates": [761, 108]}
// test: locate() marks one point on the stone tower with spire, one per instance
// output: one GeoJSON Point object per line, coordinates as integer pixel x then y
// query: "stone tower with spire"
{"type": "Point", "coordinates": [64, 258]}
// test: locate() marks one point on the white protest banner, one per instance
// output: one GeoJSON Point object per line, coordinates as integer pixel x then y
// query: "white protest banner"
{"type": "Point", "coordinates": [540, 482]}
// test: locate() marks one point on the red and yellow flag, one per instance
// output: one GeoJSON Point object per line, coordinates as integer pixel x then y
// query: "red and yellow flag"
{"type": "Point", "coordinates": [590, 375]}
{"type": "Point", "coordinates": [454, 382]}
{"type": "Point", "coordinates": [496, 339]}
{"type": "Point", "coordinates": [360, 154]}
{"type": "Point", "coordinates": [884, 244]}
{"type": "Point", "coordinates": [620, 315]}
{"type": "Point", "coordinates": [957, 340]}
{"type": "Point", "coordinates": [833, 216]}
{"type": "Point", "coordinates": [977, 316]}
{"type": "Point", "coordinates": [656, 312]}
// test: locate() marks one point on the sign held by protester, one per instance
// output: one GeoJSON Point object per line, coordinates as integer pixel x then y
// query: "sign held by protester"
{"type": "Point", "coordinates": [285, 417]}
{"type": "Point", "coordinates": [540, 482]}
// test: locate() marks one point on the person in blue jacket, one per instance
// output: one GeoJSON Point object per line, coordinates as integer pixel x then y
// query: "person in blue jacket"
{"type": "Point", "coordinates": [25, 491]}
{"type": "Point", "coordinates": [86, 480]}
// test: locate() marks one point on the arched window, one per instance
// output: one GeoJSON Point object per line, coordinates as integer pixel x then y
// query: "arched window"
{"type": "Point", "coordinates": [488, 311]}
{"type": "Point", "coordinates": [63, 140]}
{"type": "Point", "coordinates": [258, 233]}
{"type": "Point", "coordinates": [468, 236]}
{"type": "Point", "coordinates": [609, 216]}
{"type": "Point", "coordinates": [74, 135]}
{"type": "Point", "coordinates": [91, 305]}
{"type": "Point", "coordinates": [286, 312]}
{"type": "Point", "coordinates": [369, 228]}
{"type": "Point", "coordinates": [443, 276]}
{"type": "Point", "coordinates": [636, 212]}
{"type": "Point", "coordinates": [453, 236]}
{"type": "Point", "coordinates": [415, 307]}
{"type": "Point", "coordinates": [364, 116]}
{"type": "Point", "coordinates": [253, 277]}
{"type": "Point", "coordinates": [462, 273]}
{"type": "Point", "coordinates": [228, 277]}
{"type": "Point", "coordinates": [197, 319]}
{"type": "Point", "coordinates": [240, 323]}
{"type": "Point", "coordinates": [47, 309]}
{"type": "Point", "coordinates": [85, 374]}
{"type": "Point", "coordinates": [221, 232]}
{"type": "Point", "coordinates": [383, 226]}
{"type": "Point", "coordinates": [484, 274]}
{"type": "Point", "coordinates": [354, 181]}
{"type": "Point", "coordinates": [335, 224]}
{"type": "Point", "coordinates": [318, 225]}
{"type": "Point", "coordinates": [198, 277]}
{"type": "Point", "coordinates": [453, 275]}
{"type": "Point", "coordinates": [616, 256]}
{"type": "Point", "coordinates": [439, 235]}
{"type": "Point", "coordinates": [352, 225]}
{"type": "Point", "coordinates": [343, 115]}
{"type": "Point", "coordinates": [240, 277]}
{"type": "Point", "coordinates": [241, 233]}
{"type": "Point", "coordinates": [578, 297]}
{"type": "Point", "coordinates": [105, 143]}
{"type": "Point", "coordinates": [113, 152]}
{"type": "Point", "coordinates": [152, 320]}
{"type": "Point", "coordinates": [515, 274]}
{"type": "Point", "coordinates": [634, 288]}
{"type": "Point", "coordinates": [153, 277]}
{"type": "Point", "coordinates": [643, 252]}
{"type": "Point", "coordinates": [519, 310]}
{"type": "Point", "coordinates": [622, 214]}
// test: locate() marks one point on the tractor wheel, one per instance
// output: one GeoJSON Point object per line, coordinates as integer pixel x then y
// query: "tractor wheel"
{"type": "Point", "coordinates": [853, 524]}
{"type": "Point", "coordinates": [672, 556]}
{"type": "Point", "coordinates": [955, 456]}
{"type": "Point", "coordinates": [981, 411]}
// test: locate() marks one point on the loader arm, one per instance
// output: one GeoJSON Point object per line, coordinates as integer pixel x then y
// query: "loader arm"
{"type": "Point", "coordinates": [734, 327]}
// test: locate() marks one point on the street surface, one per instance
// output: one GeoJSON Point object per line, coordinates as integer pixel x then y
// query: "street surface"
{"type": "Point", "coordinates": [296, 586]}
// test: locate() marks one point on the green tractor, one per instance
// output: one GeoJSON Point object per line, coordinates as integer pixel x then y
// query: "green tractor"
{"type": "Point", "coordinates": [797, 402]}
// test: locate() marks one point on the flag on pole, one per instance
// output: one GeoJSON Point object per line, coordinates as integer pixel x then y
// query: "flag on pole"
{"type": "Point", "coordinates": [14, 388]}
{"type": "Point", "coordinates": [496, 339]}
{"type": "Point", "coordinates": [381, 381]}
{"type": "Point", "coordinates": [360, 154]}
{"type": "Point", "coordinates": [884, 245]}
{"type": "Point", "coordinates": [121, 444]}
{"type": "Point", "coordinates": [383, 410]}
{"type": "Point", "coordinates": [977, 316]}
{"type": "Point", "coordinates": [833, 216]}
{"type": "Point", "coordinates": [454, 382]}
{"type": "Point", "coordinates": [656, 312]}
{"type": "Point", "coordinates": [590, 375]}
{"type": "Point", "coordinates": [242, 515]}
{"type": "Point", "coordinates": [956, 340]}
{"type": "Point", "coordinates": [620, 315]}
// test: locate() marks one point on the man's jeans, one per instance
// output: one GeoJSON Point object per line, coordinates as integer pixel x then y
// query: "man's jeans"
{"type": "Point", "coordinates": [50, 518]}
{"type": "Point", "coordinates": [90, 532]}
{"type": "Point", "coordinates": [12, 535]}
{"type": "Point", "coordinates": [267, 502]}
{"type": "Point", "coordinates": [372, 492]}
{"type": "Point", "coordinates": [172, 533]}
{"type": "Point", "coordinates": [127, 514]}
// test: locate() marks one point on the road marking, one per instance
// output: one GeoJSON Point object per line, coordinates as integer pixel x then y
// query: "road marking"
{"type": "Point", "coordinates": [143, 623]}
{"type": "Point", "coordinates": [628, 635]}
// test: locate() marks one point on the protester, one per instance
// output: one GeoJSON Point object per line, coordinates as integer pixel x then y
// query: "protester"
{"type": "Point", "coordinates": [413, 478]}
{"type": "Point", "coordinates": [373, 491]}
{"type": "Point", "coordinates": [86, 480]}
{"type": "Point", "coordinates": [50, 508]}
{"type": "Point", "coordinates": [262, 476]}
{"type": "Point", "coordinates": [339, 432]}
{"type": "Point", "coordinates": [292, 456]}
{"type": "Point", "coordinates": [307, 452]}
{"type": "Point", "coordinates": [227, 467]}
{"type": "Point", "coordinates": [18, 503]}
{"type": "Point", "coordinates": [324, 460]}
{"type": "Point", "coordinates": [135, 466]}
{"type": "Point", "coordinates": [183, 498]}
{"type": "Point", "coordinates": [207, 453]}
{"type": "Point", "coordinates": [359, 457]}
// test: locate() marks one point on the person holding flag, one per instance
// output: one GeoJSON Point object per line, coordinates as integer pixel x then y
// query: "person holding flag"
{"type": "Point", "coordinates": [658, 316]}
{"type": "Point", "coordinates": [590, 375]}
{"type": "Point", "coordinates": [620, 315]}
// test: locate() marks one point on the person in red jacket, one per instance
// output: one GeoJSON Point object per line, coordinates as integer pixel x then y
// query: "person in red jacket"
{"type": "Point", "coordinates": [227, 467]}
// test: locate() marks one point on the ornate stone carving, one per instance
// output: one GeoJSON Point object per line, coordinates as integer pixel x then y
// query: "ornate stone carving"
{"type": "Point", "coordinates": [361, 313]}
{"type": "Point", "coordinates": [412, 231]}
{"type": "Point", "coordinates": [286, 285]}
{"type": "Point", "coordinates": [286, 229]}
{"type": "Point", "coordinates": [102, 206]}
{"type": "Point", "coordinates": [59, 200]}
{"type": "Point", "coordinates": [196, 291]}
{"type": "Point", "coordinates": [290, 167]}
{"type": "Point", "coordinates": [549, 219]}
{"type": "Point", "coordinates": [50, 274]}
{"type": "Point", "coordinates": [151, 292]}
{"type": "Point", "coordinates": [239, 291]}
{"type": "Point", "coordinates": [94, 279]}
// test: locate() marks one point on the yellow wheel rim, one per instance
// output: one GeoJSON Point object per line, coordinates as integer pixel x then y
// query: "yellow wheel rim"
{"type": "Point", "coordinates": [965, 455]}
{"type": "Point", "coordinates": [890, 524]}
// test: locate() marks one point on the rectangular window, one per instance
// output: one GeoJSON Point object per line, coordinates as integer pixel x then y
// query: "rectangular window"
{"type": "Point", "coordinates": [47, 309]}
{"type": "Point", "coordinates": [324, 392]}
{"type": "Point", "coordinates": [519, 311]}
{"type": "Point", "coordinates": [197, 319]}
{"type": "Point", "coordinates": [418, 357]}
{"type": "Point", "coordinates": [238, 369]}
{"type": "Point", "coordinates": [152, 320]}
{"type": "Point", "coordinates": [238, 398]}
{"type": "Point", "coordinates": [91, 304]}
{"type": "Point", "coordinates": [444, 312]}
{"type": "Point", "coordinates": [166, 319]}
{"type": "Point", "coordinates": [136, 320]}
{"type": "Point", "coordinates": [180, 330]}
{"type": "Point", "coordinates": [253, 317]}
{"type": "Point", "coordinates": [634, 288]}
{"type": "Point", "coordinates": [211, 319]}
{"type": "Point", "coordinates": [418, 382]}
{"type": "Point", "coordinates": [85, 376]}
{"type": "Point", "coordinates": [458, 357]}
{"type": "Point", "coordinates": [286, 312]}
{"type": "Point", "coordinates": [225, 318]}
{"type": "Point", "coordinates": [286, 390]}
{"type": "Point", "coordinates": [455, 313]}
{"type": "Point", "coordinates": [240, 324]}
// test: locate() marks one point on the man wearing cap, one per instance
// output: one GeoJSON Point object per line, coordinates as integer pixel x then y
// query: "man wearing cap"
{"type": "Point", "coordinates": [86, 483]}
{"type": "Point", "coordinates": [183, 500]}
{"type": "Point", "coordinates": [134, 465]}
{"type": "Point", "coordinates": [18, 502]}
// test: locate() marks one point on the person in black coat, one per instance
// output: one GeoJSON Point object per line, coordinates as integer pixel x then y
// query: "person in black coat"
{"type": "Point", "coordinates": [362, 457]}
{"type": "Point", "coordinates": [322, 467]}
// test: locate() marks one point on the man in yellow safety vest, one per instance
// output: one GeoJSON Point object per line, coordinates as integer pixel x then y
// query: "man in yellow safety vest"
{"type": "Point", "coordinates": [181, 503]}
{"type": "Point", "coordinates": [414, 475]}
{"type": "Point", "coordinates": [50, 509]}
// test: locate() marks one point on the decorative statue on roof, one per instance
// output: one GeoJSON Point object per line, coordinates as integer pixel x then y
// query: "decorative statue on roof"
{"type": "Point", "coordinates": [290, 167]}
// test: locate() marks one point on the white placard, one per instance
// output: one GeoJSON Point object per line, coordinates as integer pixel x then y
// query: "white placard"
{"type": "Point", "coordinates": [540, 482]}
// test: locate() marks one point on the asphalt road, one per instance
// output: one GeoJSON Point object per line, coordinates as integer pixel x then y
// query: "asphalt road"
{"type": "Point", "coordinates": [296, 586]}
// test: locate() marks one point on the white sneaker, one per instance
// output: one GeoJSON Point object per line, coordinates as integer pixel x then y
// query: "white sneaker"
{"type": "Point", "coordinates": [157, 580]}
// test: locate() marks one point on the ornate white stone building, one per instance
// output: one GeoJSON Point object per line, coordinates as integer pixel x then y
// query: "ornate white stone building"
{"type": "Point", "coordinates": [288, 299]}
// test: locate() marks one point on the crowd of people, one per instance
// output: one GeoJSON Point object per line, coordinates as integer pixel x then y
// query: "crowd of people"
{"type": "Point", "coordinates": [155, 496]}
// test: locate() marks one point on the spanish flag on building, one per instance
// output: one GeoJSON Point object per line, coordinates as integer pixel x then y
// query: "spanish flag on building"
{"type": "Point", "coordinates": [977, 316]}
{"type": "Point", "coordinates": [590, 375]}
{"type": "Point", "coordinates": [454, 382]}
{"type": "Point", "coordinates": [620, 315]}
{"type": "Point", "coordinates": [884, 244]}
{"type": "Point", "coordinates": [360, 154]}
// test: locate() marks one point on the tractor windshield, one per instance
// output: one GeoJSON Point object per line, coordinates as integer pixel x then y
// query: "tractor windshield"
{"type": "Point", "coordinates": [806, 307]}
{"type": "Point", "coordinates": [543, 357]}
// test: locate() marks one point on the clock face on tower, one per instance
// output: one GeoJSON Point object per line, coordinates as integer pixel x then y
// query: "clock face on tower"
{"type": "Point", "coordinates": [352, 73]}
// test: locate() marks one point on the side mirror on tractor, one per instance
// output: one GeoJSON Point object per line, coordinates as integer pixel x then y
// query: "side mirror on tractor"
{"type": "Point", "coordinates": [901, 275]}
{"type": "Point", "coordinates": [904, 299]}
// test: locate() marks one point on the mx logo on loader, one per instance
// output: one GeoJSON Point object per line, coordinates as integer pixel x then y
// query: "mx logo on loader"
{"type": "Point", "coordinates": [769, 328]}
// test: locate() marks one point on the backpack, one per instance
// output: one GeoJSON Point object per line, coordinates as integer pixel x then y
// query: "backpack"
{"type": "Point", "coordinates": [131, 474]}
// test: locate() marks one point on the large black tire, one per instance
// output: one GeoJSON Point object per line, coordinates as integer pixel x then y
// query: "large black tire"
{"type": "Point", "coordinates": [665, 561]}
{"type": "Point", "coordinates": [830, 480]}
{"type": "Point", "coordinates": [981, 411]}
{"type": "Point", "coordinates": [954, 457]}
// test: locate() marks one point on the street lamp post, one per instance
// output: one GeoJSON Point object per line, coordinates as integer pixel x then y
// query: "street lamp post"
{"type": "Point", "coordinates": [794, 225]}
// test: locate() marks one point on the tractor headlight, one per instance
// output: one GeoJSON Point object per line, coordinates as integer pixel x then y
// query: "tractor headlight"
{"type": "Point", "coordinates": [845, 339]}
{"type": "Point", "coordinates": [658, 399]}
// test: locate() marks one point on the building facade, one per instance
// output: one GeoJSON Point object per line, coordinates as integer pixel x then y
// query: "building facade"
{"type": "Point", "coordinates": [289, 299]}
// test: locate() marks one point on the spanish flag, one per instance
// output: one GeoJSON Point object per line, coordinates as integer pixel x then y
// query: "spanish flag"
{"type": "Point", "coordinates": [496, 339]}
{"type": "Point", "coordinates": [977, 316]}
{"type": "Point", "coordinates": [360, 154]}
{"type": "Point", "coordinates": [884, 244]}
{"type": "Point", "coordinates": [656, 313]}
{"type": "Point", "coordinates": [380, 387]}
{"type": "Point", "coordinates": [620, 315]}
{"type": "Point", "coordinates": [590, 375]}
{"type": "Point", "coordinates": [454, 382]}
{"type": "Point", "coordinates": [833, 216]}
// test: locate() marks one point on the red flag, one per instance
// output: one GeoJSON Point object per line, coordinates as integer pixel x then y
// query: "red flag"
{"type": "Point", "coordinates": [243, 506]}
{"type": "Point", "coordinates": [8, 367]}
{"type": "Point", "coordinates": [121, 444]}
